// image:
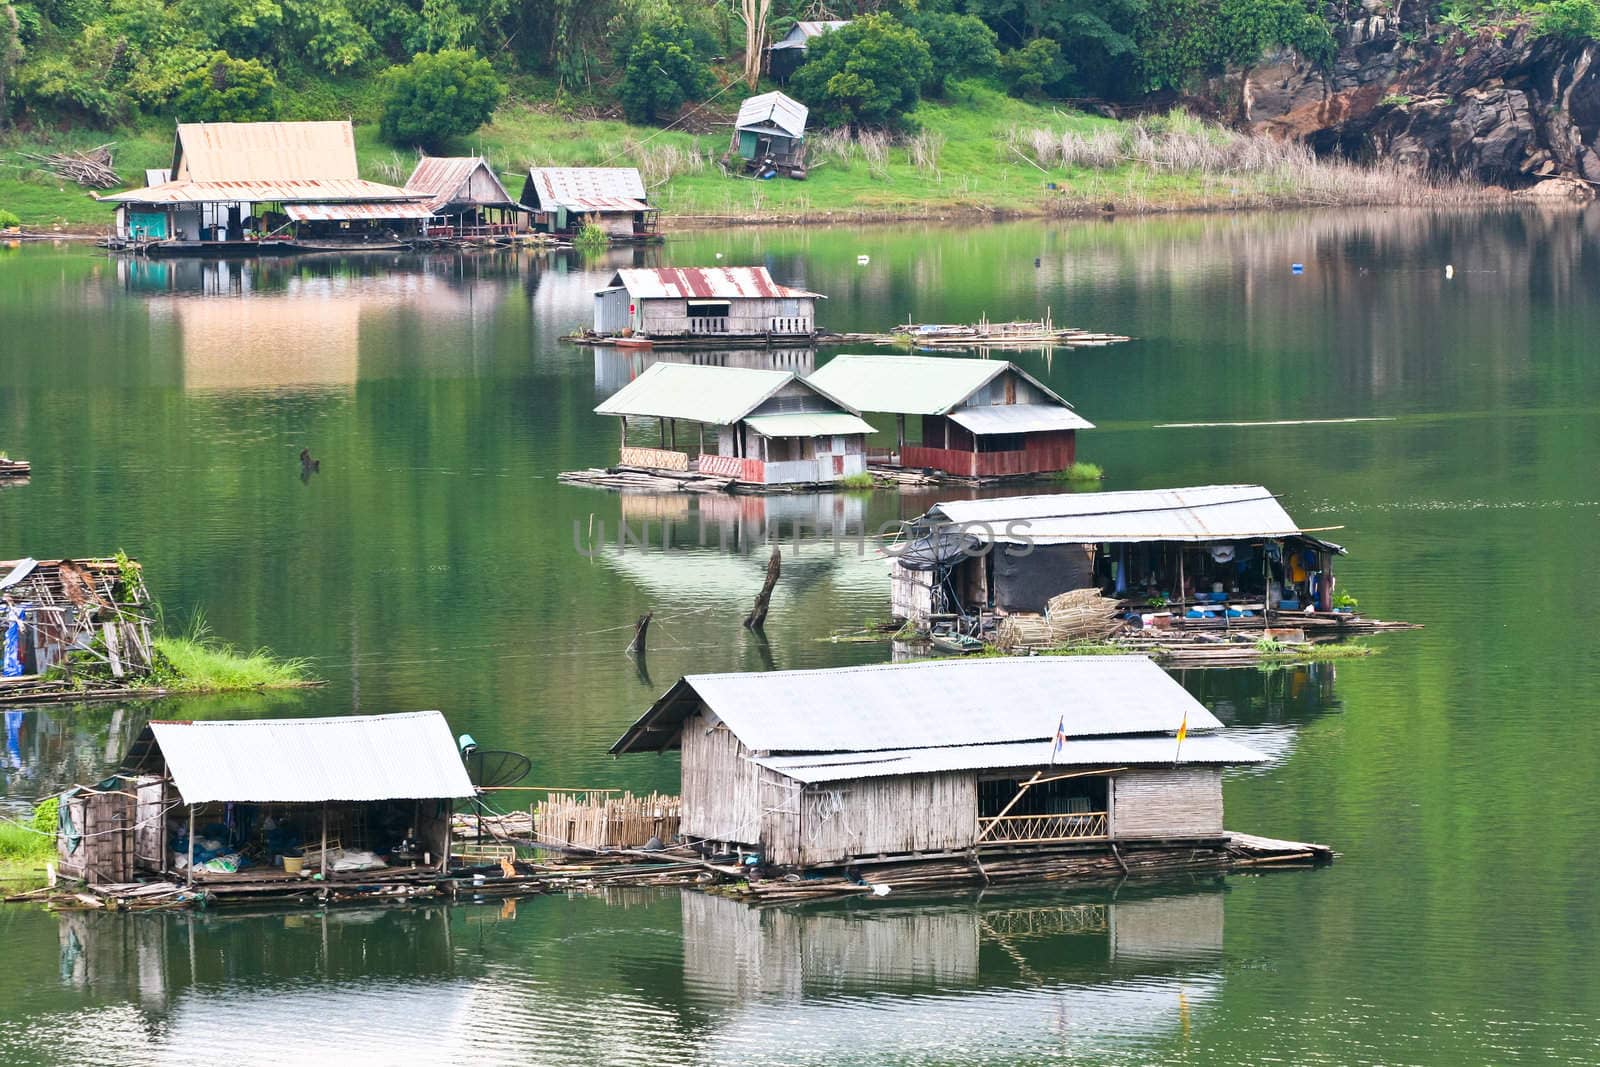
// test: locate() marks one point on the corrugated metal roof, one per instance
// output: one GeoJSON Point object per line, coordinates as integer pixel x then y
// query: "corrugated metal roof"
{"type": "Point", "coordinates": [808, 424]}
{"type": "Point", "coordinates": [702, 283]}
{"type": "Point", "coordinates": [271, 151]}
{"type": "Point", "coordinates": [356, 757]}
{"type": "Point", "coordinates": [368, 212]}
{"type": "Point", "coordinates": [801, 32]}
{"type": "Point", "coordinates": [1199, 748]}
{"type": "Point", "coordinates": [1200, 513]}
{"type": "Point", "coordinates": [447, 180]}
{"type": "Point", "coordinates": [775, 110]}
{"type": "Point", "coordinates": [1018, 418]}
{"type": "Point", "coordinates": [156, 176]}
{"type": "Point", "coordinates": [287, 191]}
{"type": "Point", "coordinates": [913, 385]}
{"type": "Point", "coordinates": [717, 396]}
{"type": "Point", "coordinates": [933, 704]}
{"type": "Point", "coordinates": [585, 189]}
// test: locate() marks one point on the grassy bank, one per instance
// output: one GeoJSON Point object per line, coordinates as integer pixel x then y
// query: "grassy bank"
{"type": "Point", "coordinates": [978, 153]}
{"type": "Point", "coordinates": [197, 663]}
{"type": "Point", "coordinates": [26, 845]}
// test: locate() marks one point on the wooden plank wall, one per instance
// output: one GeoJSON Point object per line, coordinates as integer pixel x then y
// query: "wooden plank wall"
{"type": "Point", "coordinates": [872, 816]}
{"type": "Point", "coordinates": [149, 835]}
{"type": "Point", "coordinates": [910, 593]}
{"type": "Point", "coordinates": [720, 800]}
{"type": "Point", "coordinates": [1167, 802]}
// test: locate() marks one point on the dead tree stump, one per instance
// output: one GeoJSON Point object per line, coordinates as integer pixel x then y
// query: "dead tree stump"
{"type": "Point", "coordinates": [758, 614]}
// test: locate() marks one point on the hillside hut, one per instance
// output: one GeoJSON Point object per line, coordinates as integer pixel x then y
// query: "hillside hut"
{"type": "Point", "coordinates": [360, 798]}
{"type": "Point", "coordinates": [703, 304]}
{"type": "Point", "coordinates": [561, 199]}
{"type": "Point", "coordinates": [770, 426]}
{"type": "Point", "coordinates": [769, 134]}
{"type": "Point", "coordinates": [464, 196]}
{"type": "Point", "coordinates": [1210, 555]}
{"type": "Point", "coordinates": [263, 186]}
{"type": "Point", "coordinates": [786, 54]}
{"type": "Point", "coordinates": [980, 418]}
{"type": "Point", "coordinates": [860, 765]}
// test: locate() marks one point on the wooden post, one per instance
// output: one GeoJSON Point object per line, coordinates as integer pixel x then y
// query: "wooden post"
{"type": "Point", "coordinates": [1179, 597]}
{"type": "Point", "coordinates": [444, 858]}
{"type": "Point", "coordinates": [189, 870]}
{"type": "Point", "coordinates": [702, 437]}
{"type": "Point", "coordinates": [758, 614]}
{"type": "Point", "coordinates": [672, 425]}
{"type": "Point", "coordinates": [899, 438]}
{"type": "Point", "coordinates": [323, 863]}
{"type": "Point", "coordinates": [623, 419]}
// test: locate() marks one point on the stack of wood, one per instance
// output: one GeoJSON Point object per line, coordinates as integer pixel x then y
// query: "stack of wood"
{"type": "Point", "coordinates": [91, 168]}
{"type": "Point", "coordinates": [1072, 617]}
{"type": "Point", "coordinates": [605, 821]}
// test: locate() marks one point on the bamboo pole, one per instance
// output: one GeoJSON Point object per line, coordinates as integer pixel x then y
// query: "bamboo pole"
{"type": "Point", "coordinates": [189, 870]}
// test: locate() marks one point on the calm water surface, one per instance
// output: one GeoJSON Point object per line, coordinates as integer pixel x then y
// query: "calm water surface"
{"type": "Point", "coordinates": [435, 562]}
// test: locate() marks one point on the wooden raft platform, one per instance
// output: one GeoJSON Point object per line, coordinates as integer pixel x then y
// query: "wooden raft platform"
{"type": "Point", "coordinates": [14, 468]}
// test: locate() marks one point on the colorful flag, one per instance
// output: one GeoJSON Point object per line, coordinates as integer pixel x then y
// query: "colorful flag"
{"type": "Point", "coordinates": [1061, 738]}
{"type": "Point", "coordinates": [1183, 731]}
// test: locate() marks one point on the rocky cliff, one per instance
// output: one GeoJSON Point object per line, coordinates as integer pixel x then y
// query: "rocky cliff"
{"type": "Point", "coordinates": [1507, 109]}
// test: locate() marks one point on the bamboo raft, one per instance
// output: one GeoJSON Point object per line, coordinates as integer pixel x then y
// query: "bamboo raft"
{"type": "Point", "coordinates": [14, 468]}
{"type": "Point", "coordinates": [981, 334]}
{"type": "Point", "coordinates": [652, 481]}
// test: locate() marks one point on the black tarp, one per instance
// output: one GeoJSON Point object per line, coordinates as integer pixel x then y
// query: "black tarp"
{"type": "Point", "coordinates": [1027, 582]}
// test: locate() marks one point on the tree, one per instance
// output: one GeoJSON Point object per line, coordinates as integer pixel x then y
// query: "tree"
{"type": "Point", "coordinates": [438, 96]}
{"type": "Point", "coordinates": [961, 47]}
{"type": "Point", "coordinates": [10, 53]}
{"type": "Point", "coordinates": [754, 15]}
{"type": "Point", "coordinates": [225, 89]}
{"type": "Point", "coordinates": [1027, 70]}
{"type": "Point", "coordinates": [662, 71]}
{"type": "Point", "coordinates": [869, 73]}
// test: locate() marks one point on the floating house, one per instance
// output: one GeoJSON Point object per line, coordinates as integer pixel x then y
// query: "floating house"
{"type": "Point", "coordinates": [789, 51]}
{"type": "Point", "coordinates": [654, 306]}
{"type": "Point", "coordinates": [561, 199]}
{"type": "Point", "coordinates": [981, 418]}
{"type": "Point", "coordinates": [770, 135]}
{"type": "Point", "coordinates": [247, 808]}
{"type": "Point", "coordinates": [239, 187]}
{"type": "Point", "coordinates": [50, 609]}
{"type": "Point", "coordinates": [943, 758]}
{"type": "Point", "coordinates": [465, 197]}
{"type": "Point", "coordinates": [1210, 556]}
{"type": "Point", "coordinates": [771, 427]}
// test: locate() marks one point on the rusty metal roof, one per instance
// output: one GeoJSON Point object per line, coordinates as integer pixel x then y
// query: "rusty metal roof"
{"type": "Point", "coordinates": [408, 756]}
{"type": "Point", "coordinates": [448, 180]}
{"type": "Point", "coordinates": [928, 705]}
{"type": "Point", "coordinates": [358, 212]}
{"type": "Point", "coordinates": [285, 191]}
{"type": "Point", "coordinates": [585, 189]}
{"type": "Point", "coordinates": [273, 151]}
{"type": "Point", "coordinates": [702, 283]}
{"type": "Point", "coordinates": [773, 111]}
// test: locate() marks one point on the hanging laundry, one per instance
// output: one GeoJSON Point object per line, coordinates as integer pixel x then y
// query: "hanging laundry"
{"type": "Point", "coordinates": [12, 664]}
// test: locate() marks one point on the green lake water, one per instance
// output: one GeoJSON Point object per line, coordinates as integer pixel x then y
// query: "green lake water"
{"type": "Point", "coordinates": [435, 563]}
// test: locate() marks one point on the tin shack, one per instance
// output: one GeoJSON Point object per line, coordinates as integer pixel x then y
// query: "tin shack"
{"type": "Point", "coordinates": [944, 758]}
{"type": "Point", "coordinates": [699, 305]}
{"type": "Point", "coordinates": [769, 135]}
{"type": "Point", "coordinates": [770, 427]}
{"type": "Point", "coordinates": [979, 418]}
{"type": "Point", "coordinates": [465, 197]}
{"type": "Point", "coordinates": [785, 55]}
{"type": "Point", "coordinates": [561, 199]}
{"type": "Point", "coordinates": [1212, 555]}
{"type": "Point", "coordinates": [248, 808]}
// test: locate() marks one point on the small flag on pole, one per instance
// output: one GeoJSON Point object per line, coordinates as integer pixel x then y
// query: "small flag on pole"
{"type": "Point", "coordinates": [1183, 731]}
{"type": "Point", "coordinates": [1061, 739]}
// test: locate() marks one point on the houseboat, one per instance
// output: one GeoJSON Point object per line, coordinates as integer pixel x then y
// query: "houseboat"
{"type": "Point", "coordinates": [698, 306]}
{"type": "Point", "coordinates": [561, 199]}
{"type": "Point", "coordinates": [465, 198]}
{"type": "Point", "coordinates": [980, 418]}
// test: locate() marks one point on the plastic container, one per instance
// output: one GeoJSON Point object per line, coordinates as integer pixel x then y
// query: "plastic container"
{"type": "Point", "coordinates": [293, 864]}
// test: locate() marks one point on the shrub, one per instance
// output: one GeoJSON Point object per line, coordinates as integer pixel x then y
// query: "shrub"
{"type": "Point", "coordinates": [438, 96]}
{"type": "Point", "coordinates": [8, 220]}
{"type": "Point", "coordinates": [46, 815]}
{"type": "Point", "coordinates": [662, 71]}
{"type": "Point", "coordinates": [869, 73]}
{"type": "Point", "coordinates": [225, 89]}
{"type": "Point", "coordinates": [1081, 472]}
{"type": "Point", "coordinates": [1027, 70]}
{"type": "Point", "coordinates": [961, 46]}
{"type": "Point", "coordinates": [1572, 20]}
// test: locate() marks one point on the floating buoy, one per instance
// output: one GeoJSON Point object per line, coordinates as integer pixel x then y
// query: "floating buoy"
{"type": "Point", "coordinates": [1449, 270]}
{"type": "Point", "coordinates": [1297, 268]}
{"type": "Point", "coordinates": [863, 260]}
{"type": "Point", "coordinates": [719, 255]}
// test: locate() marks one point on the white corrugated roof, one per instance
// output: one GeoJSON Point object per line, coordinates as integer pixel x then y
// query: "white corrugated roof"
{"type": "Point", "coordinates": [801, 32]}
{"type": "Point", "coordinates": [406, 756]}
{"type": "Point", "coordinates": [585, 189]}
{"type": "Point", "coordinates": [933, 704]}
{"type": "Point", "coordinates": [1199, 513]}
{"type": "Point", "coordinates": [701, 283]}
{"type": "Point", "coordinates": [368, 211]}
{"type": "Point", "coordinates": [1018, 418]}
{"type": "Point", "coordinates": [228, 151]}
{"type": "Point", "coordinates": [716, 396]}
{"type": "Point", "coordinates": [912, 385]}
{"type": "Point", "coordinates": [775, 111]}
{"type": "Point", "coordinates": [1090, 752]}
{"type": "Point", "coordinates": [808, 424]}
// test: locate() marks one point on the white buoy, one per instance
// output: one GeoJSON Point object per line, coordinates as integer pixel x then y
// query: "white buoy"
{"type": "Point", "coordinates": [719, 255]}
{"type": "Point", "coordinates": [863, 260]}
{"type": "Point", "coordinates": [880, 890]}
{"type": "Point", "coordinates": [1449, 270]}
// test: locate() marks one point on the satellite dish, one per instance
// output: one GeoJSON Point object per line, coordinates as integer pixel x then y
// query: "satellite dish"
{"type": "Point", "coordinates": [491, 768]}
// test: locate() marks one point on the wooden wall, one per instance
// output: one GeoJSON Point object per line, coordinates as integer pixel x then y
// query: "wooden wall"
{"type": "Point", "coordinates": [105, 851]}
{"type": "Point", "coordinates": [719, 784]}
{"type": "Point", "coordinates": [150, 833]}
{"type": "Point", "coordinates": [910, 593]}
{"type": "Point", "coordinates": [1167, 802]}
{"type": "Point", "coordinates": [891, 816]}
{"type": "Point", "coordinates": [748, 316]}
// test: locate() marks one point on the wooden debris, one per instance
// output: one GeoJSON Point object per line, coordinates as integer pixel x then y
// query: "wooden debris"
{"type": "Point", "coordinates": [605, 821]}
{"type": "Point", "coordinates": [14, 468]}
{"type": "Point", "coordinates": [91, 168]}
{"type": "Point", "coordinates": [649, 480]}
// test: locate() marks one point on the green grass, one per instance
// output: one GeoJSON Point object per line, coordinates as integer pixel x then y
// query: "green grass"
{"type": "Point", "coordinates": [1080, 473]}
{"type": "Point", "coordinates": [196, 663]}
{"type": "Point", "coordinates": [859, 481]}
{"type": "Point", "coordinates": [23, 850]}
